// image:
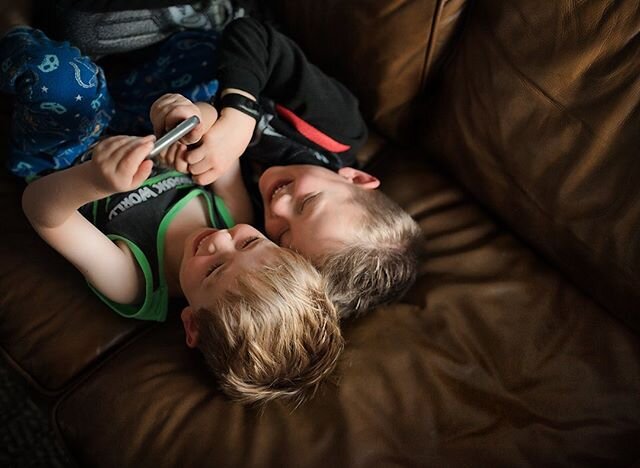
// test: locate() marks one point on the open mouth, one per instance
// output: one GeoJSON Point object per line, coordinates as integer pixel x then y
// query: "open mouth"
{"type": "Point", "coordinates": [278, 187]}
{"type": "Point", "coordinates": [200, 238]}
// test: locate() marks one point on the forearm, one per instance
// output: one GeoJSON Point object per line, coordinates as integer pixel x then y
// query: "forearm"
{"type": "Point", "coordinates": [209, 114]}
{"type": "Point", "coordinates": [230, 187]}
{"type": "Point", "coordinates": [49, 201]}
{"type": "Point", "coordinates": [246, 94]}
{"type": "Point", "coordinates": [258, 59]}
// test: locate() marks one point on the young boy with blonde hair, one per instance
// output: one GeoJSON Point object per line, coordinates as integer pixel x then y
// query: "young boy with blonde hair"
{"type": "Point", "coordinates": [259, 313]}
{"type": "Point", "coordinates": [141, 234]}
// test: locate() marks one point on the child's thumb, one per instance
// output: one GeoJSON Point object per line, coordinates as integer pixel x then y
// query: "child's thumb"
{"type": "Point", "coordinates": [143, 172]}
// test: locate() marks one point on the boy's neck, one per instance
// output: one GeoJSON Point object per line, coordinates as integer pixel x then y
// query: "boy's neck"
{"type": "Point", "coordinates": [193, 216]}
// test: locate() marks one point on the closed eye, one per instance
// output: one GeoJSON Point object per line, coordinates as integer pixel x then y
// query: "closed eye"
{"type": "Point", "coordinates": [247, 242]}
{"type": "Point", "coordinates": [306, 201]}
{"type": "Point", "coordinates": [213, 268]}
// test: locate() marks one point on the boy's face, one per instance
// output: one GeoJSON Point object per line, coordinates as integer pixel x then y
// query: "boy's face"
{"type": "Point", "coordinates": [214, 258]}
{"type": "Point", "coordinates": [310, 208]}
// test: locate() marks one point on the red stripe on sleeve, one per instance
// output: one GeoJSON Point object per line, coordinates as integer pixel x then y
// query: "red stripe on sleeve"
{"type": "Point", "coordinates": [310, 132]}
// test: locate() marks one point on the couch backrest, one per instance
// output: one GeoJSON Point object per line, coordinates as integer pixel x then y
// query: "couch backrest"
{"type": "Point", "coordinates": [538, 114]}
{"type": "Point", "coordinates": [385, 51]}
{"type": "Point", "coordinates": [536, 110]}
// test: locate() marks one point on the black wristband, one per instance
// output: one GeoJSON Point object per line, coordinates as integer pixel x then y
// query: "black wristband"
{"type": "Point", "coordinates": [241, 103]}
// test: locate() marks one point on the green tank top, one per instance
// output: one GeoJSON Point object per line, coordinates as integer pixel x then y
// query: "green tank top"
{"type": "Point", "coordinates": [140, 218]}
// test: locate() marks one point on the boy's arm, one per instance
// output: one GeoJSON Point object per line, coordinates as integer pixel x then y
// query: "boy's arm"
{"type": "Point", "coordinates": [220, 147]}
{"type": "Point", "coordinates": [51, 204]}
{"type": "Point", "coordinates": [230, 187]}
{"type": "Point", "coordinates": [258, 59]}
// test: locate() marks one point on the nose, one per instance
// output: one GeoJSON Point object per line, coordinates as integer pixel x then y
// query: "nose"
{"type": "Point", "coordinates": [279, 214]}
{"type": "Point", "coordinates": [282, 206]}
{"type": "Point", "coordinates": [220, 241]}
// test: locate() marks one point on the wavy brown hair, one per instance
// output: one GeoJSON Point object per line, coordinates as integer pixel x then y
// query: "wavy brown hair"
{"type": "Point", "coordinates": [381, 264]}
{"type": "Point", "coordinates": [275, 335]}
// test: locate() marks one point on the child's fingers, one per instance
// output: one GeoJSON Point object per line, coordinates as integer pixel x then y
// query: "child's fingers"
{"type": "Point", "coordinates": [159, 119]}
{"type": "Point", "coordinates": [143, 172]}
{"type": "Point", "coordinates": [159, 110]}
{"type": "Point", "coordinates": [108, 145]}
{"type": "Point", "coordinates": [195, 135]}
{"type": "Point", "coordinates": [207, 177]}
{"type": "Point", "coordinates": [164, 101]}
{"type": "Point", "coordinates": [178, 113]}
{"type": "Point", "coordinates": [200, 167]}
{"type": "Point", "coordinates": [170, 156]}
{"type": "Point", "coordinates": [160, 101]}
{"type": "Point", "coordinates": [181, 164]}
{"type": "Point", "coordinates": [132, 153]}
{"type": "Point", "coordinates": [157, 122]}
{"type": "Point", "coordinates": [173, 152]}
{"type": "Point", "coordinates": [197, 155]}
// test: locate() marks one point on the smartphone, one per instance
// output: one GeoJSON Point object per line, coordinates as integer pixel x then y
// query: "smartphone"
{"type": "Point", "coordinates": [173, 135]}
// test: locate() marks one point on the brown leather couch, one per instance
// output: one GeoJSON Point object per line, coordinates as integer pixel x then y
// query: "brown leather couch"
{"type": "Point", "coordinates": [510, 130]}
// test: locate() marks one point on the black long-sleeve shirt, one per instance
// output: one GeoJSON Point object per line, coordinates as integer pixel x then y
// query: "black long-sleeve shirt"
{"type": "Point", "coordinates": [300, 102]}
{"type": "Point", "coordinates": [317, 115]}
{"type": "Point", "coordinates": [256, 58]}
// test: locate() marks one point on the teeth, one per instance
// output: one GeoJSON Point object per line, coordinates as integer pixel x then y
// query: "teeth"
{"type": "Point", "coordinates": [278, 190]}
{"type": "Point", "coordinates": [202, 242]}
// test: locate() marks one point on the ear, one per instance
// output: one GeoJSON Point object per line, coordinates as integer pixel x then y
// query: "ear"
{"type": "Point", "coordinates": [360, 178]}
{"type": "Point", "coordinates": [190, 328]}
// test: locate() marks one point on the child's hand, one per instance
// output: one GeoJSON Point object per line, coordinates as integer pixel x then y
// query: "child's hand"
{"type": "Point", "coordinates": [119, 163]}
{"type": "Point", "coordinates": [223, 144]}
{"type": "Point", "coordinates": [173, 153]}
{"type": "Point", "coordinates": [171, 109]}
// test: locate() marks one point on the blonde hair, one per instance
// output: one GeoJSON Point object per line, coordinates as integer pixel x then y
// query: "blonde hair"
{"type": "Point", "coordinates": [382, 264]}
{"type": "Point", "coordinates": [275, 335]}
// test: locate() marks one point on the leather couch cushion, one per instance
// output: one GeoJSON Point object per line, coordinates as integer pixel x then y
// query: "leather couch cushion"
{"type": "Point", "coordinates": [539, 116]}
{"type": "Point", "coordinates": [383, 50]}
{"type": "Point", "coordinates": [495, 360]}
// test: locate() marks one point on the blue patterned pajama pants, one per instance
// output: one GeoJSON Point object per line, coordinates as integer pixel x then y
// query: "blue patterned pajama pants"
{"type": "Point", "coordinates": [63, 103]}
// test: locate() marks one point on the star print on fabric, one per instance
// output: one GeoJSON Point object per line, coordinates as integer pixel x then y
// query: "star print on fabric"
{"type": "Point", "coordinates": [78, 98]}
{"type": "Point", "coordinates": [44, 89]}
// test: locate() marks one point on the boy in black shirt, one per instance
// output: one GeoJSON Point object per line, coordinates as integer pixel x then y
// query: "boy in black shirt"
{"type": "Point", "coordinates": [305, 128]}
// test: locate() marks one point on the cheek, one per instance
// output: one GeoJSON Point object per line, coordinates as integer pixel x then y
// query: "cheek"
{"type": "Point", "coordinates": [273, 228]}
{"type": "Point", "coordinates": [313, 240]}
{"type": "Point", "coordinates": [190, 275]}
{"type": "Point", "coordinates": [300, 240]}
{"type": "Point", "coordinates": [185, 280]}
